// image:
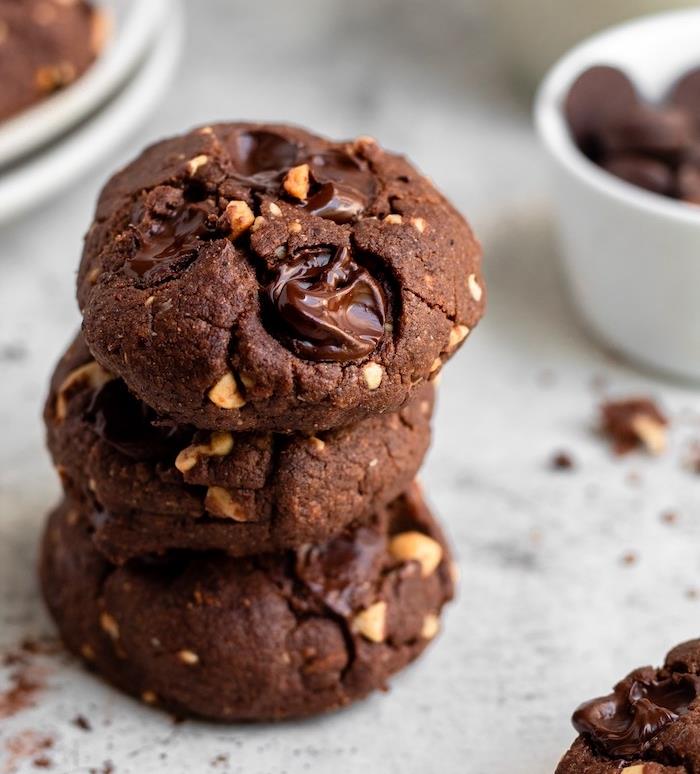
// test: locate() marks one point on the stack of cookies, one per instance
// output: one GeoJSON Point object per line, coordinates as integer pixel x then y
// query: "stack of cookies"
{"type": "Point", "coordinates": [239, 424]}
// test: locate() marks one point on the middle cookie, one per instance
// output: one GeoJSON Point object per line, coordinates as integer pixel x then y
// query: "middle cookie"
{"type": "Point", "coordinates": [155, 485]}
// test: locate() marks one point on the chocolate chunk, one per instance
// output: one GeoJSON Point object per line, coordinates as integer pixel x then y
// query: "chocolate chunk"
{"type": "Point", "coordinates": [346, 168]}
{"type": "Point", "coordinates": [264, 151]}
{"type": "Point", "coordinates": [334, 570]}
{"type": "Point", "coordinates": [623, 723]}
{"type": "Point", "coordinates": [642, 171]}
{"type": "Point", "coordinates": [329, 307]}
{"type": "Point", "coordinates": [346, 186]}
{"type": "Point", "coordinates": [262, 157]}
{"type": "Point", "coordinates": [634, 422]}
{"type": "Point", "coordinates": [688, 182]}
{"type": "Point", "coordinates": [167, 244]}
{"type": "Point", "coordinates": [659, 132]}
{"type": "Point", "coordinates": [336, 202]}
{"type": "Point", "coordinates": [598, 97]}
{"type": "Point", "coordinates": [685, 94]}
{"type": "Point", "coordinates": [129, 426]}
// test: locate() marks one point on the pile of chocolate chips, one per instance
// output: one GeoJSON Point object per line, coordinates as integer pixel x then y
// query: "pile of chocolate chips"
{"type": "Point", "coordinates": [656, 147]}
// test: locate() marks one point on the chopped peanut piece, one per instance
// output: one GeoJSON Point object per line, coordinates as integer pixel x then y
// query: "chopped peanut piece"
{"type": "Point", "coordinates": [220, 444]}
{"type": "Point", "coordinates": [373, 374]}
{"type": "Point", "coordinates": [296, 182]}
{"type": "Point", "coordinates": [240, 217]}
{"type": "Point", "coordinates": [226, 394]}
{"type": "Point", "coordinates": [371, 622]}
{"type": "Point", "coordinates": [415, 546]}
{"type": "Point", "coordinates": [219, 502]}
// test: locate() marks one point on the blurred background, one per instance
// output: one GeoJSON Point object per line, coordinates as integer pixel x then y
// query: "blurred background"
{"type": "Point", "coordinates": [549, 613]}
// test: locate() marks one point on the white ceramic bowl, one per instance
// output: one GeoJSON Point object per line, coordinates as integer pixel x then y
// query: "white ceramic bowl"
{"type": "Point", "coordinates": [632, 257]}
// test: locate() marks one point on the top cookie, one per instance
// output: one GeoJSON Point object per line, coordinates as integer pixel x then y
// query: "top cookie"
{"type": "Point", "coordinates": [256, 277]}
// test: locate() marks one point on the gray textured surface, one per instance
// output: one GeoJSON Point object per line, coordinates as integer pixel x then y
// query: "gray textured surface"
{"type": "Point", "coordinates": [548, 613]}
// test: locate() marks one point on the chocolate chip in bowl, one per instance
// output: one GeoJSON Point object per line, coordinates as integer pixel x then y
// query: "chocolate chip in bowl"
{"type": "Point", "coordinates": [653, 146]}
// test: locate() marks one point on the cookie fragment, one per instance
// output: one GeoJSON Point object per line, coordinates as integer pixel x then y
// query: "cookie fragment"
{"type": "Point", "coordinates": [634, 422]}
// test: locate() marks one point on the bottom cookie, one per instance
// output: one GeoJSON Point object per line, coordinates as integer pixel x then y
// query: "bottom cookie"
{"type": "Point", "coordinates": [260, 638]}
{"type": "Point", "coordinates": [650, 724]}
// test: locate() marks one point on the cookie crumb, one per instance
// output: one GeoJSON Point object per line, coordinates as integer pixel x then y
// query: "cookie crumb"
{"type": "Point", "coordinates": [669, 517]}
{"type": "Point", "coordinates": [633, 479]}
{"type": "Point", "coordinates": [634, 422]}
{"type": "Point", "coordinates": [81, 722]}
{"type": "Point", "coordinates": [692, 459]}
{"type": "Point", "coordinates": [562, 460]}
{"type": "Point", "coordinates": [12, 353]}
{"type": "Point", "coordinates": [26, 678]}
{"type": "Point", "coordinates": [629, 558]}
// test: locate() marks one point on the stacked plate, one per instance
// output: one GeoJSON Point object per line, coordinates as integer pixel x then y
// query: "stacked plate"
{"type": "Point", "coordinates": [50, 145]}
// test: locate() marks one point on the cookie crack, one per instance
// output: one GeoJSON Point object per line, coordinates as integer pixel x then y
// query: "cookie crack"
{"type": "Point", "coordinates": [339, 619]}
{"type": "Point", "coordinates": [277, 445]}
{"type": "Point", "coordinates": [434, 306]}
{"type": "Point", "coordinates": [325, 612]}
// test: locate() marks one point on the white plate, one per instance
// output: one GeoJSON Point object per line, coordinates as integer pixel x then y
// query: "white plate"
{"type": "Point", "coordinates": [135, 25]}
{"type": "Point", "coordinates": [57, 166]}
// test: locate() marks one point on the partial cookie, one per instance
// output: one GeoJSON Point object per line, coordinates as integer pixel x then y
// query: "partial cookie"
{"type": "Point", "coordinates": [157, 486]}
{"type": "Point", "coordinates": [45, 45]}
{"type": "Point", "coordinates": [264, 638]}
{"type": "Point", "coordinates": [650, 724]}
{"type": "Point", "coordinates": [252, 277]}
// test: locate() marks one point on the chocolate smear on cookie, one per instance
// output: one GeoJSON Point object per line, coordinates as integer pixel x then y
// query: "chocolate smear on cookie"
{"type": "Point", "coordinates": [624, 723]}
{"type": "Point", "coordinates": [169, 243]}
{"type": "Point", "coordinates": [129, 426]}
{"type": "Point", "coordinates": [327, 305]}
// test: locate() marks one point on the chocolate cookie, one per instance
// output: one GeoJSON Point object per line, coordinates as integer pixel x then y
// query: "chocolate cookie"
{"type": "Point", "coordinates": [156, 486]}
{"type": "Point", "coordinates": [263, 638]}
{"type": "Point", "coordinates": [254, 277]}
{"type": "Point", "coordinates": [45, 45]}
{"type": "Point", "coordinates": [650, 724]}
